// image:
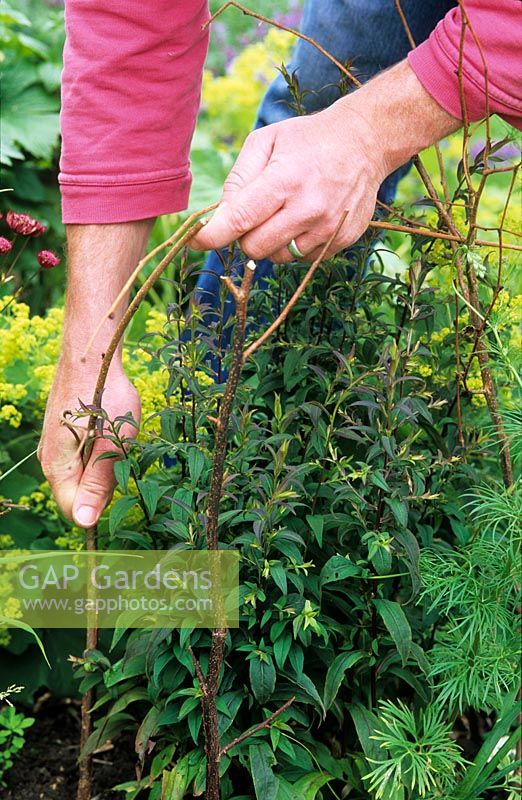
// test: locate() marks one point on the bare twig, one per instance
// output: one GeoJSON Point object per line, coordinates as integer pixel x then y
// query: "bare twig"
{"type": "Point", "coordinates": [262, 725]}
{"type": "Point", "coordinates": [405, 25]}
{"type": "Point", "coordinates": [297, 294]}
{"type": "Point", "coordinates": [217, 648]}
{"type": "Point", "coordinates": [431, 234]}
{"type": "Point", "coordinates": [249, 13]}
{"type": "Point", "coordinates": [133, 307]}
{"type": "Point", "coordinates": [132, 277]}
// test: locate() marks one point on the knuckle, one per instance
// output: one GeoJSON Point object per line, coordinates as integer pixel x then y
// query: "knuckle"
{"type": "Point", "coordinates": [241, 218]}
{"type": "Point", "coordinates": [253, 250]}
{"type": "Point", "coordinates": [233, 183]}
{"type": "Point", "coordinates": [314, 210]}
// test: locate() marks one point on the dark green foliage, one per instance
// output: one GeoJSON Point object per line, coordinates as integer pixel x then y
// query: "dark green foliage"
{"type": "Point", "coordinates": [365, 583]}
{"type": "Point", "coordinates": [13, 726]}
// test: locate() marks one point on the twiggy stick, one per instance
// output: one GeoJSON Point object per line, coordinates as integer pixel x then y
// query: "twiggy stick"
{"type": "Point", "coordinates": [133, 307]}
{"type": "Point", "coordinates": [249, 13]}
{"type": "Point", "coordinates": [262, 725]}
{"type": "Point", "coordinates": [296, 295]}
{"type": "Point", "coordinates": [210, 685]}
{"type": "Point", "coordinates": [430, 234]}
{"type": "Point", "coordinates": [130, 280]}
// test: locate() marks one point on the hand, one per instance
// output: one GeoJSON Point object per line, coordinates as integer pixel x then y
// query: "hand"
{"type": "Point", "coordinates": [293, 180]}
{"type": "Point", "coordinates": [82, 492]}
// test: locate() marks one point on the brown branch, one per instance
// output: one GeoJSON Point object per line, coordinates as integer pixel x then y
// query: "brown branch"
{"type": "Point", "coordinates": [132, 277]}
{"type": "Point", "coordinates": [199, 673]}
{"type": "Point", "coordinates": [217, 648]}
{"type": "Point", "coordinates": [247, 12]}
{"type": "Point", "coordinates": [133, 307]}
{"type": "Point", "coordinates": [432, 192]}
{"type": "Point", "coordinates": [431, 234]}
{"type": "Point", "coordinates": [262, 725]}
{"type": "Point", "coordinates": [405, 25]}
{"type": "Point", "coordinates": [297, 294]}
{"type": "Point", "coordinates": [220, 445]}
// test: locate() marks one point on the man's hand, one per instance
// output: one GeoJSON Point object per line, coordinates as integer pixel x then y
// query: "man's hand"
{"type": "Point", "coordinates": [82, 492]}
{"type": "Point", "coordinates": [294, 179]}
{"type": "Point", "coordinates": [100, 258]}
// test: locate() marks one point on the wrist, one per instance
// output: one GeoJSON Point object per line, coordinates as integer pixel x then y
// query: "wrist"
{"type": "Point", "coordinates": [396, 117]}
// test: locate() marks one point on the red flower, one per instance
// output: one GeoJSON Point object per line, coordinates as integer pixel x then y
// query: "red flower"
{"type": "Point", "coordinates": [24, 224]}
{"type": "Point", "coordinates": [5, 245]}
{"type": "Point", "coordinates": [47, 259]}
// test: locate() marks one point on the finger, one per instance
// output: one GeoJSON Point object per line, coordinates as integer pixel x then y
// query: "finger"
{"type": "Point", "coordinates": [250, 163]}
{"type": "Point", "coordinates": [284, 256]}
{"type": "Point", "coordinates": [96, 486]}
{"type": "Point", "coordinates": [63, 475]}
{"type": "Point", "coordinates": [313, 243]}
{"type": "Point", "coordinates": [274, 235]}
{"type": "Point", "coordinates": [245, 210]}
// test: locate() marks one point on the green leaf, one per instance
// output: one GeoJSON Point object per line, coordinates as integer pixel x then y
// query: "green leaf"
{"type": "Point", "coordinates": [122, 471]}
{"type": "Point", "coordinates": [151, 491]}
{"type": "Point", "coordinates": [282, 647]}
{"type": "Point", "coordinates": [119, 510]}
{"type": "Point", "coordinates": [262, 677]}
{"type": "Point", "coordinates": [16, 623]}
{"type": "Point", "coordinates": [277, 571]}
{"type": "Point", "coordinates": [196, 465]}
{"type": "Point", "coordinates": [397, 625]}
{"type": "Point", "coordinates": [365, 724]}
{"type": "Point", "coordinates": [337, 568]}
{"type": "Point", "coordinates": [309, 688]}
{"type": "Point", "coordinates": [317, 524]}
{"type": "Point", "coordinates": [29, 115]}
{"type": "Point", "coordinates": [261, 761]}
{"type": "Point", "coordinates": [399, 509]}
{"type": "Point", "coordinates": [336, 672]}
{"type": "Point", "coordinates": [148, 728]}
{"type": "Point", "coordinates": [307, 787]}
{"type": "Point", "coordinates": [175, 781]}
{"type": "Point", "coordinates": [412, 549]}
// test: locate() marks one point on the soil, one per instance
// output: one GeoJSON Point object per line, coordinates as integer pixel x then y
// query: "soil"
{"type": "Point", "coordinates": [46, 768]}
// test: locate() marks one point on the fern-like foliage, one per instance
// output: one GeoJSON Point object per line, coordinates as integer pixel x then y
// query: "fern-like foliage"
{"type": "Point", "coordinates": [420, 754]}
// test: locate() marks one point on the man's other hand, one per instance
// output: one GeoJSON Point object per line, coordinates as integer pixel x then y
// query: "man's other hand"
{"type": "Point", "coordinates": [82, 492]}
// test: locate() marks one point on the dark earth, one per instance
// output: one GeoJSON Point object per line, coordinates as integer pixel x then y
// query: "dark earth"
{"type": "Point", "coordinates": [46, 768]}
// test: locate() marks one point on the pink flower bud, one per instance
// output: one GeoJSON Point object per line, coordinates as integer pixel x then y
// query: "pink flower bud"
{"type": "Point", "coordinates": [5, 245]}
{"type": "Point", "coordinates": [47, 259]}
{"type": "Point", "coordinates": [24, 224]}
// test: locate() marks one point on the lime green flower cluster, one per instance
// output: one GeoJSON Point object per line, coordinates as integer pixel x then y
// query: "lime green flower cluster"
{"type": "Point", "coordinates": [29, 350]}
{"type": "Point", "coordinates": [234, 98]}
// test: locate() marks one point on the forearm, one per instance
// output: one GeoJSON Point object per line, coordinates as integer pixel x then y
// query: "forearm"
{"type": "Point", "coordinates": [401, 117]}
{"type": "Point", "coordinates": [100, 260]}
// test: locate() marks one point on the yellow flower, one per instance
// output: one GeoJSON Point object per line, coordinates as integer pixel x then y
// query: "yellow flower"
{"type": "Point", "coordinates": [234, 98]}
{"type": "Point", "coordinates": [11, 415]}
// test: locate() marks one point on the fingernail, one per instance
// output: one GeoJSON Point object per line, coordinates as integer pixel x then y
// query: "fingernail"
{"type": "Point", "coordinates": [85, 516]}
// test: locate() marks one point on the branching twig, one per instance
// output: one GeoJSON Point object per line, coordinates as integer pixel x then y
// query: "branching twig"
{"type": "Point", "coordinates": [282, 27]}
{"type": "Point", "coordinates": [297, 294]}
{"type": "Point", "coordinates": [262, 725]}
{"type": "Point", "coordinates": [132, 277]}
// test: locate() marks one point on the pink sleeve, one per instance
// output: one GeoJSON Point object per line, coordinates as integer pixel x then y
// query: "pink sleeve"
{"type": "Point", "coordinates": [130, 97]}
{"type": "Point", "coordinates": [497, 25]}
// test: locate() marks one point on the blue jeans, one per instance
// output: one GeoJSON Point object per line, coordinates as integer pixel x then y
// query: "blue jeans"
{"type": "Point", "coordinates": [368, 33]}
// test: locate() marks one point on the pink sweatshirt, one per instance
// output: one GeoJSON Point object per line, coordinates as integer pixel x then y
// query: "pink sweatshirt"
{"type": "Point", "coordinates": [131, 91]}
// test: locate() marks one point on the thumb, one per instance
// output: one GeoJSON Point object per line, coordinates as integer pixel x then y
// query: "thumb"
{"type": "Point", "coordinates": [246, 210]}
{"type": "Point", "coordinates": [95, 488]}
{"type": "Point", "coordinates": [239, 209]}
{"type": "Point", "coordinates": [250, 163]}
